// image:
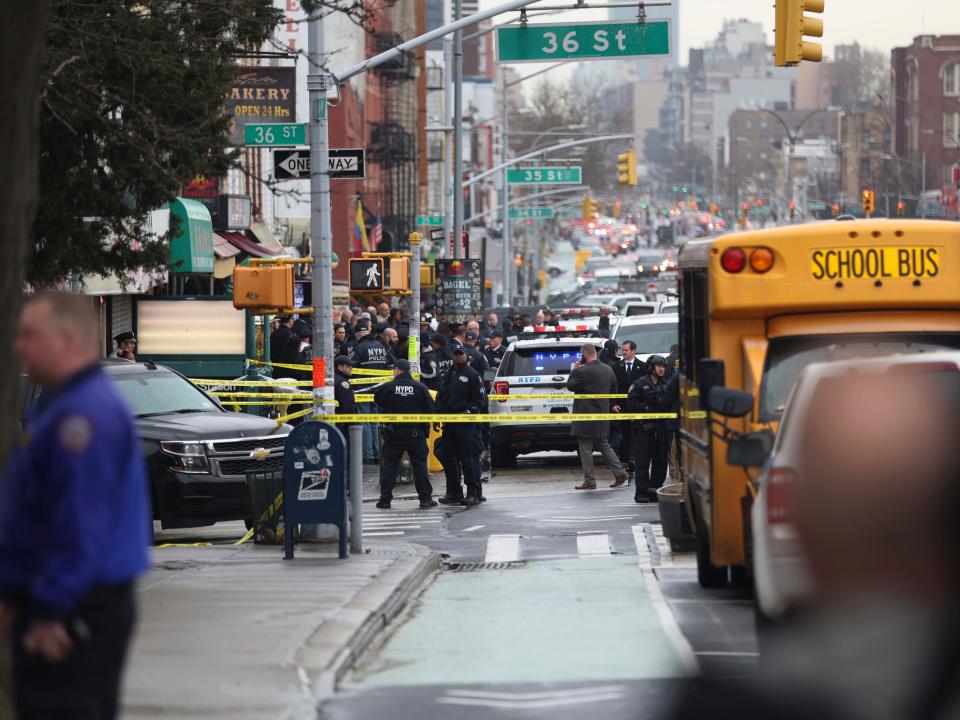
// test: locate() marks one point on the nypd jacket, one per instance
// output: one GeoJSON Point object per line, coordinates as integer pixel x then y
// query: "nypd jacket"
{"type": "Point", "coordinates": [405, 395]}
{"type": "Point", "coordinates": [74, 512]}
{"type": "Point", "coordinates": [645, 396]}
{"type": "Point", "coordinates": [434, 364]}
{"type": "Point", "coordinates": [372, 354]}
{"type": "Point", "coordinates": [494, 356]}
{"type": "Point", "coordinates": [461, 392]}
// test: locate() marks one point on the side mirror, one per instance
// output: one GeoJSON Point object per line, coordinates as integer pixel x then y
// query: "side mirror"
{"type": "Point", "coordinates": [730, 403]}
{"type": "Point", "coordinates": [710, 374]}
{"type": "Point", "coordinates": [750, 450]}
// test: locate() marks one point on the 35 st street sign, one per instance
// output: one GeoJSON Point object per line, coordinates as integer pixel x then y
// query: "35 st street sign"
{"type": "Point", "coordinates": [531, 212]}
{"type": "Point", "coordinates": [583, 41]}
{"type": "Point", "coordinates": [544, 176]}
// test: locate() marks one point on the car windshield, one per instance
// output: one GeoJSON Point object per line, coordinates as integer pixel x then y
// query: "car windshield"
{"type": "Point", "coordinates": [650, 338]}
{"type": "Point", "coordinates": [540, 361]}
{"type": "Point", "coordinates": [787, 356]}
{"type": "Point", "coordinates": [159, 393]}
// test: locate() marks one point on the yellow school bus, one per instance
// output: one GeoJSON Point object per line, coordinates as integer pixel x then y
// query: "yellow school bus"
{"type": "Point", "coordinates": [756, 307]}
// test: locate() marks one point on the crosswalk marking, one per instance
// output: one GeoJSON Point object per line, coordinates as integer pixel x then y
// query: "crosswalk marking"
{"type": "Point", "coordinates": [503, 548]}
{"type": "Point", "coordinates": [593, 544]}
{"type": "Point", "coordinates": [381, 534]}
{"type": "Point", "coordinates": [472, 528]}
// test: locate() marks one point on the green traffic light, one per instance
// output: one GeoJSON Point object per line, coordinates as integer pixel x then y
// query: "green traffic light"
{"type": "Point", "coordinates": [684, 188]}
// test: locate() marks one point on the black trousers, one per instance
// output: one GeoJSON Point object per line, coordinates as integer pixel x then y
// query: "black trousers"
{"type": "Point", "coordinates": [396, 442]}
{"type": "Point", "coordinates": [86, 685]}
{"type": "Point", "coordinates": [649, 450]}
{"type": "Point", "coordinates": [461, 446]}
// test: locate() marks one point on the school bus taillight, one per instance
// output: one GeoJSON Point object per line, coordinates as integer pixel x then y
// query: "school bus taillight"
{"type": "Point", "coordinates": [733, 260]}
{"type": "Point", "coordinates": [761, 259]}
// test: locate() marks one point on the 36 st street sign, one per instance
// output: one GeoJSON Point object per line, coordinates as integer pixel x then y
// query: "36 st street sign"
{"type": "Point", "coordinates": [275, 134]}
{"type": "Point", "coordinates": [544, 176]}
{"type": "Point", "coordinates": [531, 212]}
{"type": "Point", "coordinates": [583, 41]}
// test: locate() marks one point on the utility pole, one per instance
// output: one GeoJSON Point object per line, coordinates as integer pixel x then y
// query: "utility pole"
{"type": "Point", "coordinates": [449, 177]}
{"type": "Point", "coordinates": [505, 190]}
{"type": "Point", "coordinates": [321, 235]}
{"type": "Point", "coordinates": [457, 130]}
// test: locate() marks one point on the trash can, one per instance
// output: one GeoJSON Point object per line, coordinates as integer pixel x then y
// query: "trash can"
{"type": "Point", "coordinates": [673, 518]}
{"type": "Point", "coordinates": [266, 498]}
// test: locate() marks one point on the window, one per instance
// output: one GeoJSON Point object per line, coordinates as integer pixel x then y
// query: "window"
{"type": "Point", "coordinates": [159, 393]}
{"type": "Point", "coordinates": [951, 79]}
{"type": "Point", "coordinates": [693, 320]}
{"type": "Point", "coordinates": [951, 129]}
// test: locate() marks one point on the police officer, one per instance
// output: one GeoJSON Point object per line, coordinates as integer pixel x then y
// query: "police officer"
{"type": "Point", "coordinates": [342, 390]}
{"type": "Point", "coordinates": [652, 393]}
{"type": "Point", "coordinates": [126, 346]}
{"type": "Point", "coordinates": [477, 359]}
{"type": "Point", "coordinates": [495, 349]}
{"type": "Point", "coordinates": [74, 521]}
{"type": "Point", "coordinates": [403, 394]}
{"type": "Point", "coordinates": [461, 393]}
{"type": "Point", "coordinates": [436, 362]}
{"type": "Point", "coordinates": [370, 353]}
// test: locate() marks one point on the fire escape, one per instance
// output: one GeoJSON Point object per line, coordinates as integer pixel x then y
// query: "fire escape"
{"type": "Point", "coordinates": [393, 140]}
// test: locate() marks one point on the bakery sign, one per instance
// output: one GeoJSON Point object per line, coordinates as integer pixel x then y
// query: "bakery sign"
{"type": "Point", "coordinates": [261, 94]}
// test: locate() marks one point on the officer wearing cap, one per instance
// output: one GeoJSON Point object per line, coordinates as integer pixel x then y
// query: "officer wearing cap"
{"type": "Point", "coordinates": [126, 346]}
{"type": "Point", "coordinates": [74, 521]}
{"type": "Point", "coordinates": [436, 362]}
{"type": "Point", "coordinates": [461, 393]}
{"type": "Point", "coordinates": [342, 390]}
{"type": "Point", "coordinates": [477, 361]}
{"type": "Point", "coordinates": [495, 349]}
{"type": "Point", "coordinates": [651, 393]}
{"type": "Point", "coordinates": [404, 395]}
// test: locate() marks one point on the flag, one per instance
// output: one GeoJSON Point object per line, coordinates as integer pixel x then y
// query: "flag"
{"type": "Point", "coordinates": [360, 242]}
{"type": "Point", "coordinates": [376, 233]}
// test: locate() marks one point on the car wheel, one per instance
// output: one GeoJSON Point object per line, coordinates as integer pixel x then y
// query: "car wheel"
{"type": "Point", "coordinates": [502, 456]}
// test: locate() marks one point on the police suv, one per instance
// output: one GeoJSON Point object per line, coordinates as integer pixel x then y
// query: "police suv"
{"type": "Point", "coordinates": [535, 366]}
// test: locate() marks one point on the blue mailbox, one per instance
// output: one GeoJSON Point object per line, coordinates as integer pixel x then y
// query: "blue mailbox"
{"type": "Point", "coordinates": [315, 481]}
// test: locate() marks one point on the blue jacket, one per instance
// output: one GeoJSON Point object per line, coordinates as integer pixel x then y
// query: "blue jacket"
{"type": "Point", "coordinates": [74, 511]}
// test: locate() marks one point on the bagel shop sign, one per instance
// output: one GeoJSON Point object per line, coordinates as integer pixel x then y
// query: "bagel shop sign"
{"type": "Point", "coordinates": [259, 95]}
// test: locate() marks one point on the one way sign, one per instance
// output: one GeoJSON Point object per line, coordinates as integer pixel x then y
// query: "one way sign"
{"type": "Point", "coordinates": [344, 163]}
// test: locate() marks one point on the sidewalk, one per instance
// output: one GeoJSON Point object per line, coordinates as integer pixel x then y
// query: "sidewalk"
{"type": "Point", "coordinates": [235, 631]}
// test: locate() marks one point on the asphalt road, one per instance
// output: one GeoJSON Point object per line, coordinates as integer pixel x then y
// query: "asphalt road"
{"type": "Point", "coordinates": [552, 602]}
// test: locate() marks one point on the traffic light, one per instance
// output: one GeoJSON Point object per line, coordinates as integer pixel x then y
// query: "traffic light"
{"type": "Point", "coordinates": [617, 210]}
{"type": "Point", "coordinates": [867, 202]}
{"type": "Point", "coordinates": [793, 209]}
{"type": "Point", "coordinates": [263, 286]}
{"type": "Point", "coordinates": [791, 27]}
{"type": "Point", "coordinates": [627, 168]}
{"type": "Point", "coordinates": [400, 273]}
{"type": "Point", "coordinates": [591, 208]}
{"type": "Point", "coordinates": [836, 209]}
{"type": "Point", "coordinates": [366, 275]}
{"type": "Point", "coordinates": [901, 208]}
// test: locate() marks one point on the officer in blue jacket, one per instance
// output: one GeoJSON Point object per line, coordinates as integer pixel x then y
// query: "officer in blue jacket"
{"type": "Point", "coordinates": [74, 521]}
{"type": "Point", "coordinates": [461, 393]}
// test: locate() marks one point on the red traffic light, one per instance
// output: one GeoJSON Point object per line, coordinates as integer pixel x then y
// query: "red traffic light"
{"type": "Point", "coordinates": [759, 202]}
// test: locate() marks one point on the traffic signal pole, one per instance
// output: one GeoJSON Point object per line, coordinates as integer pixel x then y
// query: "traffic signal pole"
{"type": "Point", "coordinates": [508, 270]}
{"type": "Point", "coordinates": [321, 235]}
{"type": "Point", "coordinates": [457, 131]}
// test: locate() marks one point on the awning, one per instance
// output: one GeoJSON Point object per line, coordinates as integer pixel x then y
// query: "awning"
{"type": "Point", "coordinates": [223, 268]}
{"type": "Point", "coordinates": [222, 247]}
{"type": "Point", "coordinates": [240, 240]}
{"type": "Point", "coordinates": [191, 249]}
{"type": "Point", "coordinates": [263, 235]}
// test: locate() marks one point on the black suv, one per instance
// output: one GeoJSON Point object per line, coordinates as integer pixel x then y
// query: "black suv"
{"type": "Point", "coordinates": [197, 453]}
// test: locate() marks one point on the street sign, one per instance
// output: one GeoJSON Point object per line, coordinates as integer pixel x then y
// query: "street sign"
{"type": "Point", "coordinates": [531, 212]}
{"type": "Point", "coordinates": [431, 220]}
{"type": "Point", "coordinates": [366, 274]}
{"type": "Point", "coordinates": [291, 164]}
{"type": "Point", "coordinates": [275, 134]}
{"type": "Point", "coordinates": [344, 163]}
{"type": "Point", "coordinates": [583, 41]}
{"type": "Point", "coordinates": [347, 163]}
{"type": "Point", "coordinates": [544, 176]}
{"type": "Point", "coordinates": [569, 213]}
{"type": "Point", "coordinates": [436, 234]}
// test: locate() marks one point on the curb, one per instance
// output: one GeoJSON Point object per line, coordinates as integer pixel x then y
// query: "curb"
{"type": "Point", "coordinates": [324, 684]}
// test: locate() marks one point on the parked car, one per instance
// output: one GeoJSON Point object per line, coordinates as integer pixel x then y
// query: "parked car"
{"type": "Point", "coordinates": [197, 453]}
{"type": "Point", "coordinates": [653, 334]}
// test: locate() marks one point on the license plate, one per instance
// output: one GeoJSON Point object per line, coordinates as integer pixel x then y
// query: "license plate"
{"type": "Point", "coordinates": [875, 263]}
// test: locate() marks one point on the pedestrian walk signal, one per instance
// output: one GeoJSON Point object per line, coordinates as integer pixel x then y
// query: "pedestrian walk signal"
{"type": "Point", "coordinates": [366, 275]}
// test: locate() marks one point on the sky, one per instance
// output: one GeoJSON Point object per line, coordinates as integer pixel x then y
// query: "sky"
{"type": "Point", "coordinates": [881, 24]}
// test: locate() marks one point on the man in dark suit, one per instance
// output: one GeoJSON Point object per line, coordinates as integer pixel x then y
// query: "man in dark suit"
{"type": "Point", "coordinates": [628, 371]}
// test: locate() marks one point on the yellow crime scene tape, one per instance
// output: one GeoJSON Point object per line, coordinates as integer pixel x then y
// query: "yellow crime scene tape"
{"type": "Point", "coordinates": [555, 396]}
{"type": "Point", "coordinates": [251, 383]}
{"type": "Point", "coordinates": [292, 366]}
{"type": "Point", "coordinates": [264, 395]}
{"type": "Point", "coordinates": [505, 417]}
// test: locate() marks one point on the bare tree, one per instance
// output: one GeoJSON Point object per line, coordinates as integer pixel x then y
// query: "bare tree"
{"type": "Point", "coordinates": [861, 75]}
